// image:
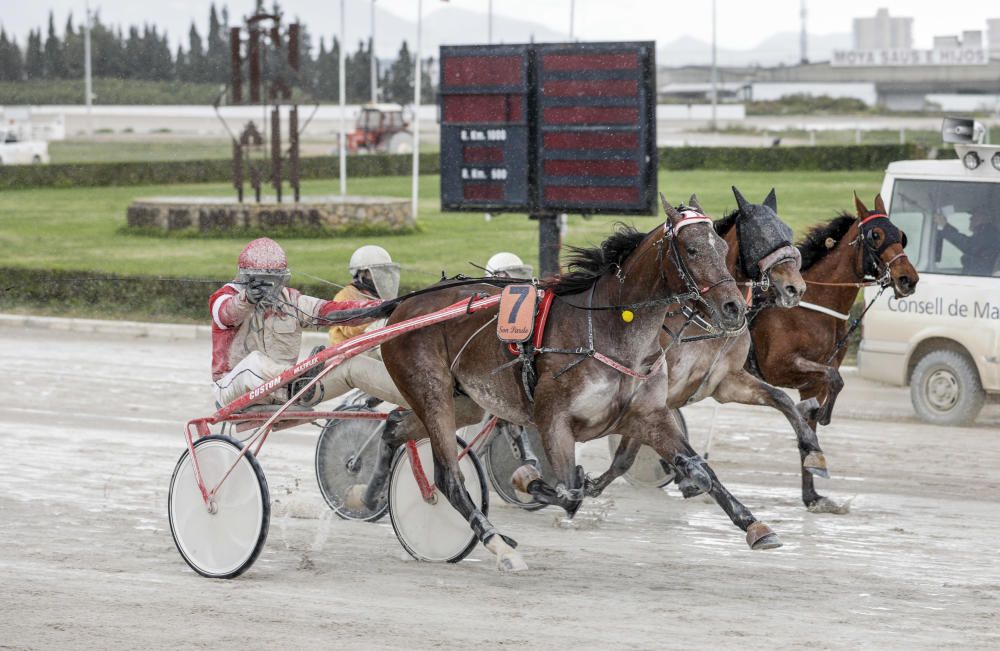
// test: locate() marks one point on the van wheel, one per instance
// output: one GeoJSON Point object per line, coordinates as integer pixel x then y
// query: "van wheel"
{"type": "Point", "coordinates": [945, 389]}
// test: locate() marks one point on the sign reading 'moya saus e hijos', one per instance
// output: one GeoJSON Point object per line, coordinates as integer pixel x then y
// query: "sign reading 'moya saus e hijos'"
{"type": "Point", "coordinates": [959, 56]}
{"type": "Point", "coordinates": [958, 308]}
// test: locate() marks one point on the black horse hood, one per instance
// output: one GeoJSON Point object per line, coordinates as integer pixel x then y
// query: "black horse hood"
{"type": "Point", "coordinates": [760, 231]}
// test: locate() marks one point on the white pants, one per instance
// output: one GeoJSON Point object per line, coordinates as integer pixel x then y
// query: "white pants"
{"type": "Point", "coordinates": [360, 372]}
{"type": "Point", "coordinates": [253, 370]}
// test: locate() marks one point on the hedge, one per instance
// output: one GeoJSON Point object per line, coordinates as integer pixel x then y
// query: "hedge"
{"type": "Point", "coordinates": [756, 159]}
{"type": "Point", "coordinates": [75, 175]}
{"type": "Point", "coordinates": [769, 159]}
{"type": "Point", "coordinates": [118, 296]}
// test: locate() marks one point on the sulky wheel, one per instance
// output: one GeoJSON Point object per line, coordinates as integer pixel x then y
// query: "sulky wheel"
{"type": "Point", "coordinates": [646, 471]}
{"type": "Point", "coordinates": [346, 453]}
{"type": "Point", "coordinates": [223, 539]}
{"type": "Point", "coordinates": [501, 460]}
{"type": "Point", "coordinates": [433, 530]}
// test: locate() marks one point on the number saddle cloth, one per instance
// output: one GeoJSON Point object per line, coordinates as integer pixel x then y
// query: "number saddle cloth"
{"type": "Point", "coordinates": [521, 319]}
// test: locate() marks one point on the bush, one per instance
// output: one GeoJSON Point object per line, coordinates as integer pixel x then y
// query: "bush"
{"type": "Point", "coordinates": [73, 175]}
{"type": "Point", "coordinates": [70, 293]}
{"type": "Point", "coordinates": [767, 159]}
{"type": "Point", "coordinates": [807, 105]}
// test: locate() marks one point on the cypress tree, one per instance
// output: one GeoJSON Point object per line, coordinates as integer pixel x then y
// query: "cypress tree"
{"type": "Point", "coordinates": [34, 60]}
{"type": "Point", "coordinates": [53, 68]}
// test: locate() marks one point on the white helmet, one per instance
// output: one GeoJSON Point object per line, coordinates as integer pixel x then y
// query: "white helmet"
{"type": "Point", "coordinates": [378, 262]}
{"type": "Point", "coordinates": [509, 265]}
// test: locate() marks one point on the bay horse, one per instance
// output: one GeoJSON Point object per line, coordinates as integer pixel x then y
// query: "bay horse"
{"type": "Point", "coordinates": [598, 370]}
{"type": "Point", "coordinates": [761, 256]}
{"type": "Point", "coordinates": [803, 348]}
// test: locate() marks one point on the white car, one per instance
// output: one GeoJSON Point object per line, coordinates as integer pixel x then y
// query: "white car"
{"type": "Point", "coordinates": [944, 341]}
{"type": "Point", "coordinates": [16, 152]}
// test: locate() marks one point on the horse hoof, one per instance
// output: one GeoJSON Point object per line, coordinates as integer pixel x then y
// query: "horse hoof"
{"type": "Point", "coordinates": [355, 498]}
{"type": "Point", "coordinates": [508, 558]}
{"type": "Point", "coordinates": [815, 463]}
{"type": "Point", "coordinates": [826, 505]}
{"type": "Point", "coordinates": [760, 536]}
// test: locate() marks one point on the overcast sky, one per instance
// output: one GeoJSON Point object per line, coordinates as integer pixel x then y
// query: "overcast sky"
{"type": "Point", "coordinates": [741, 24]}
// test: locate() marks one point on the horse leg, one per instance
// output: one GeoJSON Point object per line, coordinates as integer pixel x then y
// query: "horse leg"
{"type": "Point", "coordinates": [667, 438]}
{"type": "Point", "coordinates": [747, 389]}
{"type": "Point", "coordinates": [814, 501]}
{"type": "Point", "coordinates": [624, 457]}
{"type": "Point", "coordinates": [560, 446]}
{"type": "Point", "coordinates": [832, 379]}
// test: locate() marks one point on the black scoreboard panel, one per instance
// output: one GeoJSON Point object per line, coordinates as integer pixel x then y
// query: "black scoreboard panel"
{"type": "Point", "coordinates": [484, 128]}
{"type": "Point", "coordinates": [549, 128]}
{"type": "Point", "coordinates": [596, 119]}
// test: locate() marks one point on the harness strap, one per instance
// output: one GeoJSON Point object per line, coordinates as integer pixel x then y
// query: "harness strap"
{"type": "Point", "coordinates": [787, 252]}
{"type": "Point", "coordinates": [604, 359]}
{"type": "Point", "coordinates": [824, 310]}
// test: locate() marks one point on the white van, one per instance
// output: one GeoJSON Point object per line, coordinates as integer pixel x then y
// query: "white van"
{"type": "Point", "coordinates": [944, 341]}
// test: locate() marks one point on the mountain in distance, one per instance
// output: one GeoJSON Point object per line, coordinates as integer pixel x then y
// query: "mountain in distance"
{"type": "Point", "coordinates": [779, 48]}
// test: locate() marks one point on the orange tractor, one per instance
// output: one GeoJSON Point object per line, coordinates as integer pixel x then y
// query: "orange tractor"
{"type": "Point", "coordinates": [382, 129]}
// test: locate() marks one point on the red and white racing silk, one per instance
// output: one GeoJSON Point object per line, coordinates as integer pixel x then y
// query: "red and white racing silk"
{"type": "Point", "coordinates": [238, 329]}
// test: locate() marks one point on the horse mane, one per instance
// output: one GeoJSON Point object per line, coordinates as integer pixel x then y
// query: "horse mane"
{"type": "Point", "coordinates": [813, 246]}
{"type": "Point", "coordinates": [587, 264]}
{"type": "Point", "coordinates": [724, 225]}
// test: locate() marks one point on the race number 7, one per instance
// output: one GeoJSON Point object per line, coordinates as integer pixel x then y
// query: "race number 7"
{"type": "Point", "coordinates": [522, 292]}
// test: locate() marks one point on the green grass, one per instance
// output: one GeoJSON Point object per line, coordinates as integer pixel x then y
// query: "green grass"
{"type": "Point", "coordinates": [114, 151]}
{"type": "Point", "coordinates": [81, 228]}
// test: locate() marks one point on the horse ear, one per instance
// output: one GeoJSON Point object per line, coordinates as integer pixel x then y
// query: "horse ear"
{"type": "Point", "coordinates": [859, 207]}
{"type": "Point", "coordinates": [740, 201]}
{"type": "Point", "coordinates": [771, 200]}
{"type": "Point", "coordinates": [667, 208]}
{"type": "Point", "coordinates": [693, 202]}
{"type": "Point", "coordinates": [879, 204]}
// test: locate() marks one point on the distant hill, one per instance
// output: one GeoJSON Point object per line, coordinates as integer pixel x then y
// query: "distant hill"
{"type": "Point", "coordinates": [776, 49]}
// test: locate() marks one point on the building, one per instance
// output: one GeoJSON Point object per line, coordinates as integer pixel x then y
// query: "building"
{"type": "Point", "coordinates": [993, 37]}
{"type": "Point", "coordinates": [883, 32]}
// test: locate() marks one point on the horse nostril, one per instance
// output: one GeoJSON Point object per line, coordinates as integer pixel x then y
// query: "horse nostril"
{"type": "Point", "coordinates": [731, 309]}
{"type": "Point", "coordinates": [905, 282]}
{"type": "Point", "coordinates": [791, 290]}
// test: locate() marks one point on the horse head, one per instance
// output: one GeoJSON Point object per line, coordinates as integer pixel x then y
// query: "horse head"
{"type": "Point", "coordinates": [882, 246]}
{"type": "Point", "coordinates": [694, 260]}
{"type": "Point", "coordinates": [765, 250]}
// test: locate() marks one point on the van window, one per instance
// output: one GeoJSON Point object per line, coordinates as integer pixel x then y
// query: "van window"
{"type": "Point", "coordinates": [959, 225]}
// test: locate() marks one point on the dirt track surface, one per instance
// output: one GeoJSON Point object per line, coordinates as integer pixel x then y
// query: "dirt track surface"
{"type": "Point", "coordinates": [90, 430]}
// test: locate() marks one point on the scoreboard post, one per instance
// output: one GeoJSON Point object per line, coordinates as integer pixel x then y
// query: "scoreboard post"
{"type": "Point", "coordinates": [549, 129]}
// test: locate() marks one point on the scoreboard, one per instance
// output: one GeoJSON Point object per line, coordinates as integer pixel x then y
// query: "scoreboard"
{"type": "Point", "coordinates": [549, 128]}
{"type": "Point", "coordinates": [484, 128]}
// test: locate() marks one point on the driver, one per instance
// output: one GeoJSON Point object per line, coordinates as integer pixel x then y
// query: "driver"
{"type": "Point", "coordinates": [373, 275]}
{"type": "Point", "coordinates": [508, 265]}
{"type": "Point", "coordinates": [980, 249]}
{"type": "Point", "coordinates": [257, 322]}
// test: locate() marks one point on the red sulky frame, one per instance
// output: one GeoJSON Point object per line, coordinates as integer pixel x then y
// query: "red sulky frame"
{"type": "Point", "coordinates": [330, 357]}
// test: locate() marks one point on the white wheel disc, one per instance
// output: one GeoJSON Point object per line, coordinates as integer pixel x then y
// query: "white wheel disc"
{"type": "Point", "coordinates": [224, 543]}
{"type": "Point", "coordinates": [433, 531]}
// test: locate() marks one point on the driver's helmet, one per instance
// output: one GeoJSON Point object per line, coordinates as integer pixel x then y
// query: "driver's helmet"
{"type": "Point", "coordinates": [264, 260]}
{"type": "Point", "coordinates": [508, 265]}
{"type": "Point", "coordinates": [382, 272]}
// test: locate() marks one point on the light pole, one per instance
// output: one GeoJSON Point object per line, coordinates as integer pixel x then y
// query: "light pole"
{"type": "Point", "coordinates": [489, 22]}
{"type": "Point", "coordinates": [572, 18]}
{"type": "Point", "coordinates": [88, 89]}
{"type": "Point", "coordinates": [416, 113]}
{"type": "Point", "coordinates": [715, 74]}
{"type": "Point", "coordinates": [343, 108]}
{"type": "Point", "coordinates": [374, 60]}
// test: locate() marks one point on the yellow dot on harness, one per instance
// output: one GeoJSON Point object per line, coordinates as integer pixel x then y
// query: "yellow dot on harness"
{"type": "Point", "coordinates": [627, 316]}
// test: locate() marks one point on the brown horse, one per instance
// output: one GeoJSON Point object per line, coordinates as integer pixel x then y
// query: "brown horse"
{"type": "Point", "coordinates": [598, 370]}
{"type": "Point", "coordinates": [712, 365]}
{"type": "Point", "coordinates": [802, 348]}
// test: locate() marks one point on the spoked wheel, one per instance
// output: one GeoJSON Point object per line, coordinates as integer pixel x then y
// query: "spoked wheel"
{"type": "Point", "coordinates": [433, 530]}
{"type": "Point", "coordinates": [501, 460]}
{"type": "Point", "coordinates": [647, 472]}
{"type": "Point", "coordinates": [346, 453]}
{"type": "Point", "coordinates": [223, 539]}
